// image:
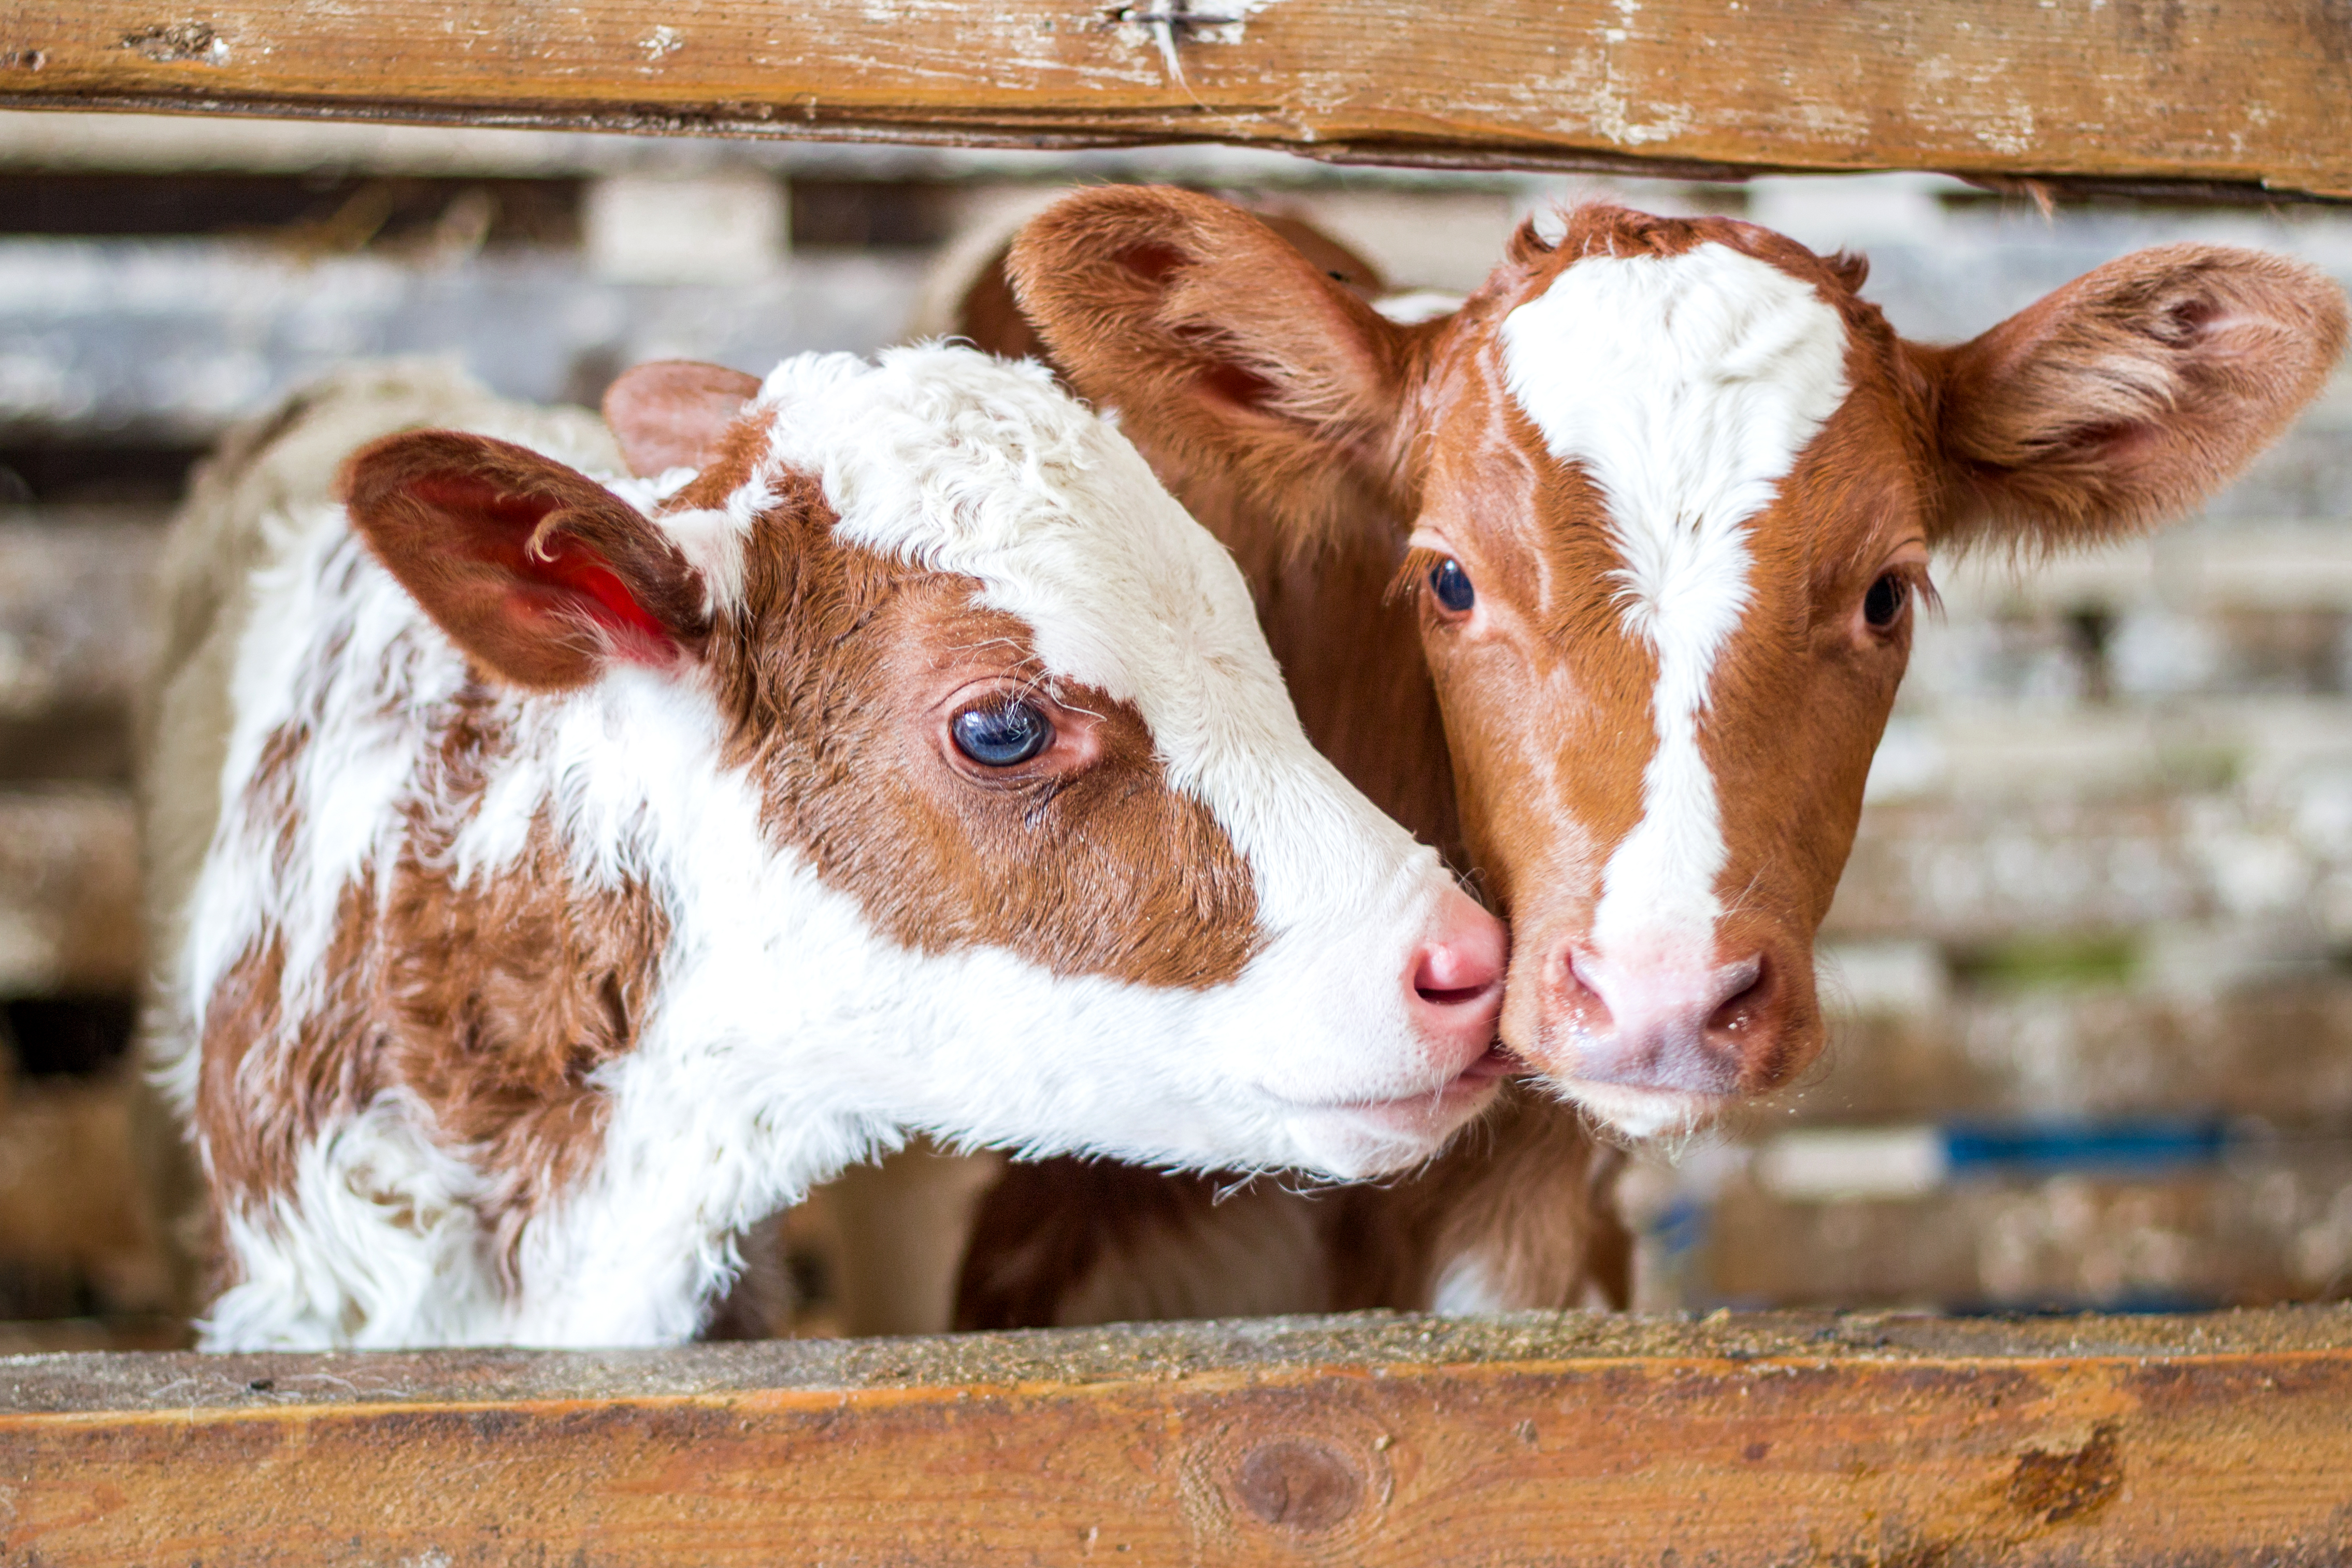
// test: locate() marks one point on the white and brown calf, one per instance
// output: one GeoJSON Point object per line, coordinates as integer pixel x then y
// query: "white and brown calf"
{"type": "Point", "coordinates": [1608, 578]}
{"type": "Point", "coordinates": [598, 864]}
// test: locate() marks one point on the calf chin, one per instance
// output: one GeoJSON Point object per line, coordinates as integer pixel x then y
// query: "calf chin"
{"type": "Point", "coordinates": [1358, 1143]}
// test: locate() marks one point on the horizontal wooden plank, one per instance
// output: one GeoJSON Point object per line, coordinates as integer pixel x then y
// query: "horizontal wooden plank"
{"type": "Point", "coordinates": [68, 891]}
{"type": "Point", "coordinates": [2255, 1221]}
{"type": "Point", "coordinates": [2254, 93]}
{"type": "Point", "coordinates": [1540, 1440]}
{"type": "Point", "coordinates": [2082, 1043]}
{"type": "Point", "coordinates": [76, 620]}
{"type": "Point", "coordinates": [2085, 861]}
{"type": "Point", "coordinates": [74, 1234]}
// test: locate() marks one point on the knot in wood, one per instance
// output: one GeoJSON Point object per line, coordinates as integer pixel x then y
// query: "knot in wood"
{"type": "Point", "coordinates": [2062, 1486]}
{"type": "Point", "coordinates": [1299, 1484]}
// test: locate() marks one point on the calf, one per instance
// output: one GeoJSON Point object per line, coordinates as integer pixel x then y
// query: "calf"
{"type": "Point", "coordinates": [1608, 578]}
{"type": "Point", "coordinates": [595, 865]}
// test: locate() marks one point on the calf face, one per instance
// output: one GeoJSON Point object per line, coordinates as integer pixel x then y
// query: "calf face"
{"type": "Point", "coordinates": [1009, 704]}
{"type": "Point", "coordinates": [1663, 492]}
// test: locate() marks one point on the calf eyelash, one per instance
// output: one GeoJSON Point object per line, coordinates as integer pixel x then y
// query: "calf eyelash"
{"type": "Point", "coordinates": [1413, 576]}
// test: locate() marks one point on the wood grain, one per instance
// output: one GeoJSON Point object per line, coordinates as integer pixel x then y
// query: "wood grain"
{"type": "Point", "coordinates": [1535, 1440]}
{"type": "Point", "coordinates": [69, 890]}
{"type": "Point", "coordinates": [2251, 93]}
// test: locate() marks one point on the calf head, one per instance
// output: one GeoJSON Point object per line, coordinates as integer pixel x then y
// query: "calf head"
{"type": "Point", "coordinates": [1666, 492]}
{"type": "Point", "coordinates": [966, 663]}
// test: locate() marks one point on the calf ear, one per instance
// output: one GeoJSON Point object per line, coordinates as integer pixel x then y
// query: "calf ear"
{"type": "Point", "coordinates": [540, 574]}
{"type": "Point", "coordinates": [2130, 394]}
{"type": "Point", "coordinates": [671, 413]}
{"type": "Point", "coordinates": [1225, 351]}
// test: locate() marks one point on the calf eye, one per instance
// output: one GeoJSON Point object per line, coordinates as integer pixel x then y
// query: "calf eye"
{"type": "Point", "coordinates": [1002, 736]}
{"type": "Point", "coordinates": [1452, 585]}
{"type": "Point", "coordinates": [1885, 600]}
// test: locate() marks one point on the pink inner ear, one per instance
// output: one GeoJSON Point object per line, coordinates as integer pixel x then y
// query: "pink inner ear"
{"type": "Point", "coordinates": [561, 573]}
{"type": "Point", "coordinates": [584, 573]}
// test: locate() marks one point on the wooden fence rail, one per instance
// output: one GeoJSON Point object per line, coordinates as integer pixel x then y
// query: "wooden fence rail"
{"type": "Point", "coordinates": [1361, 1441]}
{"type": "Point", "coordinates": [2253, 94]}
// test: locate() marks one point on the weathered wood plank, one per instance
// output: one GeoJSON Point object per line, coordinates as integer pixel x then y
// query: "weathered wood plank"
{"type": "Point", "coordinates": [1365, 1441]}
{"type": "Point", "coordinates": [68, 891]}
{"type": "Point", "coordinates": [76, 624]}
{"type": "Point", "coordinates": [2256, 92]}
{"type": "Point", "coordinates": [74, 1233]}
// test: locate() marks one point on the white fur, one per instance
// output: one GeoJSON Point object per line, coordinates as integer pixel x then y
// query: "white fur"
{"type": "Point", "coordinates": [1416, 305]}
{"type": "Point", "coordinates": [789, 1038]}
{"type": "Point", "coordinates": [1685, 386]}
{"type": "Point", "coordinates": [1467, 1287]}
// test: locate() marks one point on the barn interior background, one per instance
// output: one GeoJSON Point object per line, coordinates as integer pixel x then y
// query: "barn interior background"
{"type": "Point", "coordinates": [2094, 952]}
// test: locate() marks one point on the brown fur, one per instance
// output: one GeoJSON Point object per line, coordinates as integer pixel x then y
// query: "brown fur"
{"type": "Point", "coordinates": [492, 1001]}
{"type": "Point", "coordinates": [1525, 1192]}
{"type": "Point", "coordinates": [837, 715]}
{"type": "Point", "coordinates": [497, 1001]}
{"type": "Point", "coordinates": [1313, 436]}
{"type": "Point", "coordinates": [2124, 397]}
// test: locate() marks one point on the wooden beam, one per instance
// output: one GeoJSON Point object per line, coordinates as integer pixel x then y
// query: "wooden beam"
{"type": "Point", "coordinates": [69, 890]}
{"type": "Point", "coordinates": [2241, 93]}
{"type": "Point", "coordinates": [1543, 1439]}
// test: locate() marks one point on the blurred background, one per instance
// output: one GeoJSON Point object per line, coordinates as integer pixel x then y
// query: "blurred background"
{"type": "Point", "coordinates": [2093, 956]}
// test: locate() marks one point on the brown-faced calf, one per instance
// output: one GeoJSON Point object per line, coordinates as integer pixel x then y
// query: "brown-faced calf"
{"type": "Point", "coordinates": [1605, 579]}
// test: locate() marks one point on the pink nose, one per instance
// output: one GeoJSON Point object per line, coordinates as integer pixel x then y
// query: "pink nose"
{"type": "Point", "coordinates": [1690, 1026]}
{"type": "Point", "coordinates": [1457, 980]}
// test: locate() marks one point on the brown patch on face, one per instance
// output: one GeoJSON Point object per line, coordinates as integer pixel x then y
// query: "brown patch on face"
{"type": "Point", "coordinates": [1550, 684]}
{"type": "Point", "coordinates": [833, 692]}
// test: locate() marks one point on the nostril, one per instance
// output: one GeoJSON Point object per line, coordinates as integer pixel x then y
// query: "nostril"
{"type": "Point", "coordinates": [1576, 986]}
{"type": "Point", "coordinates": [1460, 962]}
{"type": "Point", "coordinates": [1749, 988]}
{"type": "Point", "coordinates": [1448, 975]}
{"type": "Point", "coordinates": [1576, 976]}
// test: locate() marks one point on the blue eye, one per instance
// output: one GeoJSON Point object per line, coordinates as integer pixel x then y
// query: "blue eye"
{"type": "Point", "coordinates": [1002, 736]}
{"type": "Point", "coordinates": [1452, 585]}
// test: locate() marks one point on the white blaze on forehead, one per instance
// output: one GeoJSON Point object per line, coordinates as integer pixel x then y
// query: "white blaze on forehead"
{"type": "Point", "coordinates": [961, 463]}
{"type": "Point", "coordinates": [1686, 386]}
